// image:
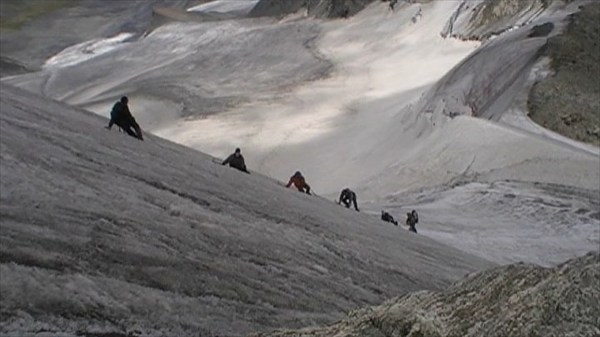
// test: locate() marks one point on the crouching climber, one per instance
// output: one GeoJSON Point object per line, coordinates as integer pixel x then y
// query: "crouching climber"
{"type": "Point", "coordinates": [387, 217]}
{"type": "Point", "coordinates": [236, 160]}
{"type": "Point", "coordinates": [298, 180]}
{"type": "Point", "coordinates": [348, 196]}
{"type": "Point", "coordinates": [121, 116]}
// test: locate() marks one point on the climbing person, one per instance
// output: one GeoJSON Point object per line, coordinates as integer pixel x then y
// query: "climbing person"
{"type": "Point", "coordinates": [236, 160]}
{"type": "Point", "coordinates": [387, 217]}
{"type": "Point", "coordinates": [121, 116]}
{"type": "Point", "coordinates": [417, 16]}
{"type": "Point", "coordinates": [348, 196]}
{"type": "Point", "coordinates": [298, 180]}
{"type": "Point", "coordinates": [345, 12]}
{"type": "Point", "coordinates": [412, 218]}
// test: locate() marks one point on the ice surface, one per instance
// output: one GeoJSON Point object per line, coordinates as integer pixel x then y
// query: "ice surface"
{"type": "Point", "coordinates": [377, 102]}
{"type": "Point", "coordinates": [102, 232]}
{"type": "Point", "coordinates": [226, 6]}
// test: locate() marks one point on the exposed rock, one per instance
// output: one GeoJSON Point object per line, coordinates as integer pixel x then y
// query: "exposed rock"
{"type": "Point", "coordinates": [542, 30]}
{"type": "Point", "coordinates": [568, 102]}
{"type": "Point", "coordinates": [9, 67]}
{"type": "Point", "coordinates": [515, 300]}
{"type": "Point", "coordinates": [481, 19]}
{"type": "Point", "coordinates": [316, 8]}
{"type": "Point", "coordinates": [277, 8]}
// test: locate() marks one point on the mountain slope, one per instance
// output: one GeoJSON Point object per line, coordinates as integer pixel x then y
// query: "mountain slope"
{"type": "Point", "coordinates": [101, 232]}
{"type": "Point", "coordinates": [34, 30]}
{"type": "Point", "coordinates": [516, 300]}
{"type": "Point", "coordinates": [375, 103]}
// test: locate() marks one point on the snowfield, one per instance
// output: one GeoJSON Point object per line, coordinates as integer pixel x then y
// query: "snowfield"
{"type": "Point", "coordinates": [100, 232]}
{"type": "Point", "coordinates": [104, 232]}
{"type": "Point", "coordinates": [383, 112]}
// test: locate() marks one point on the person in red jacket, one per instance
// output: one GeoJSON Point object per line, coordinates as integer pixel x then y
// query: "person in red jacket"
{"type": "Point", "coordinates": [298, 180]}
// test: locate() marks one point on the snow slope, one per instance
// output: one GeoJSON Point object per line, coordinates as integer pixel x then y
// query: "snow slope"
{"type": "Point", "coordinates": [380, 103]}
{"type": "Point", "coordinates": [103, 233]}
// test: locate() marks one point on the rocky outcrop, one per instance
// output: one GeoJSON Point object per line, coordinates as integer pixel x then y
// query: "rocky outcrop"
{"type": "Point", "coordinates": [277, 8]}
{"type": "Point", "coordinates": [481, 19]}
{"type": "Point", "coordinates": [515, 300]}
{"type": "Point", "coordinates": [567, 101]}
{"type": "Point", "coordinates": [9, 67]}
{"type": "Point", "coordinates": [316, 8]}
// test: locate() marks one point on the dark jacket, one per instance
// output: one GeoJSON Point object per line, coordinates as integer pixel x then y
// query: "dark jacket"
{"type": "Point", "coordinates": [347, 194]}
{"type": "Point", "coordinates": [387, 217]}
{"type": "Point", "coordinates": [347, 197]}
{"type": "Point", "coordinates": [412, 218]}
{"type": "Point", "coordinates": [121, 115]}
{"type": "Point", "coordinates": [236, 161]}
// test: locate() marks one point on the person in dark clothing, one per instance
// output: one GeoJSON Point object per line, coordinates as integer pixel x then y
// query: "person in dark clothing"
{"type": "Point", "coordinates": [236, 160]}
{"type": "Point", "coordinates": [298, 180]}
{"type": "Point", "coordinates": [348, 196]}
{"type": "Point", "coordinates": [345, 13]}
{"type": "Point", "coordinates": [121, 116]}
{"type": "Point", "coordinates": [412, 218]}
{"type": "Point", "coordinates": [387, 217]}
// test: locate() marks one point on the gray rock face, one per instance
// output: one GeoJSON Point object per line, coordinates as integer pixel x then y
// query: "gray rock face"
{"type": "Point", "coordinates": [480, 19]}
{"type": "Point", "coordinates": [567, 102]}
{"type": "Point", "coordinates": [9, 67]}
{"type": "Point", "coordinates": [277, 8]}
{"type": "Point", "coordinates": [317, 8]}
{"type": "Point", "coordinates": [516, 300]}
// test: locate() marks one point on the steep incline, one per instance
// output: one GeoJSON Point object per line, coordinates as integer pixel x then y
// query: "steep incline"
{"type": "Point", "coordinates": [374, 102]}
{"type": "Point", "coordinates": [100, 232]}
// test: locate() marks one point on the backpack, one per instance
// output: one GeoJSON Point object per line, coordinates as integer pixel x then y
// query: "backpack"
{"type": "Point", "coordinates": [116, 111]}
{"type": "Point", "coordinates": [415, 216]}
